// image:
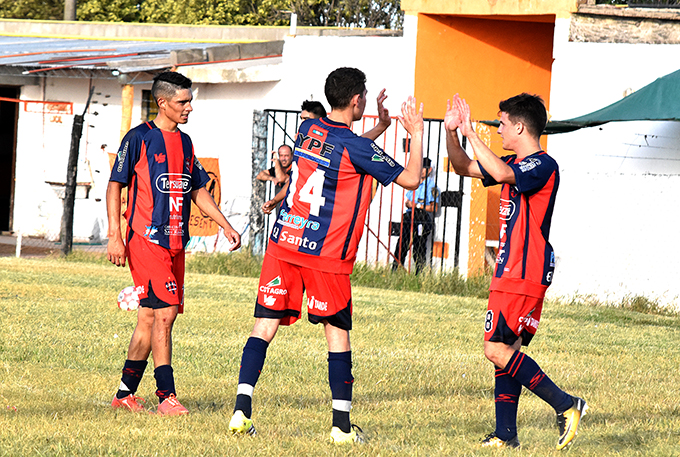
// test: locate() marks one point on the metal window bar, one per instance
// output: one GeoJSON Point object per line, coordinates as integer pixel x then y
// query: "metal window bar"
{"type": "Point", "coordinates": [376, 246]}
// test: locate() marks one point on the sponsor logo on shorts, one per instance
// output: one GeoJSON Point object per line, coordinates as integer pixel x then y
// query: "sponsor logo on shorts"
{"type": "Point", "coordinates": [272, 287]}
{"type": "Point", "coordinates": [269, 300]}
{"type": "Point", "coordinates": [313, 303]}
{"type": "Point", "coordinates": [173, 182]}
{"type": "Point", "coordinates": [274, 282]}
{"type": "Point", "coordinates": [171, 287]}
{"type": "Point", "coordinates": [528, 322]}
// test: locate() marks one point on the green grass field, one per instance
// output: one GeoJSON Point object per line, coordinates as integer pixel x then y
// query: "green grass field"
{"type": "Point", "coordinates": [422, 385]}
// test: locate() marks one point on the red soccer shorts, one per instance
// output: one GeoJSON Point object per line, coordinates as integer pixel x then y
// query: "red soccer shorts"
{"type": "Point", "coordinates": [510, 316]}
{"type": "Point", "coordinates": [279, 295]}
{"type": "Point", "coordinates": [158, 270]}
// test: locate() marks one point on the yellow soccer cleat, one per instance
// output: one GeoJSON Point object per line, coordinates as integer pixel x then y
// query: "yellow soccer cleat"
{"type": "Point", "coordinates": [355, 435]}
{"type": "Point", "coordinates": [491, 440]}
{"type": "Point", "coordinates": [241, 425]}
{"type": "Point", "coordinates": [568, 421]}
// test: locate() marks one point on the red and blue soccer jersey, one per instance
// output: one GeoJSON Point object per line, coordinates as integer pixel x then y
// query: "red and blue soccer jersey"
{"type": "Point", "coordinates": [322, 217]}
{"type": "Point", "coordinates": [160, 170]}
{"type": "Point", "coordinates": [526, 261]}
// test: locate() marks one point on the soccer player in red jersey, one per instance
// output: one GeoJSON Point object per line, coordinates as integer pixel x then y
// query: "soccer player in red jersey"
{"type": "Point", "coordinates": [313, 243]}
{"type": "Point", "coordinates": [156, 163]}
{"type": "Point", "coordinates": [525, 262]}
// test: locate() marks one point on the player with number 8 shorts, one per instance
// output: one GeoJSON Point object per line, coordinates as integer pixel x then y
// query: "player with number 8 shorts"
{"type": "Point", "coordinates": [525, 262]}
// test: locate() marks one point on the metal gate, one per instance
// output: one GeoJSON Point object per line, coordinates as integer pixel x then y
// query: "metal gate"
{"type": "Point", "coordinates": [272, 128]}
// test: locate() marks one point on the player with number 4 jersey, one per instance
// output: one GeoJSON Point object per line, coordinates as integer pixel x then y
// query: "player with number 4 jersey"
{"type": "Point", "coordinates": [322, 217]}
{"type": "Point", "coordinates": [314, 242]}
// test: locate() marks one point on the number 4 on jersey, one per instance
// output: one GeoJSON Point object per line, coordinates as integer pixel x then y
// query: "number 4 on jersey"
{"type": "Point", "coordinates": [311, 192]}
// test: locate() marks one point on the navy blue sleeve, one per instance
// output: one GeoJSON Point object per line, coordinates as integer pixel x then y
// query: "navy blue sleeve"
{"type": "Point", "coordinates": [128, 156]}
{"type": "Point", "coordinates": [488, 180]}
{"type": "Point", "coordinates": [533, 172]}
{"type": "Point", "coordinates": [369, 158]}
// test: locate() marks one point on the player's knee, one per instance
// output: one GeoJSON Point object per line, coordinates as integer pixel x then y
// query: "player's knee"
{"type": "Point", "coordinates": [492, 353]}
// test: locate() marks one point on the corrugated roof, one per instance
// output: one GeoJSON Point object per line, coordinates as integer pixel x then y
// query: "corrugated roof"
{"type": "Point", "coordinates": [40, 55]}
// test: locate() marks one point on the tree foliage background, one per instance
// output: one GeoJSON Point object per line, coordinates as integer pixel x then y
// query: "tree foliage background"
{"type": "Point", "coordinates": [330, 13]}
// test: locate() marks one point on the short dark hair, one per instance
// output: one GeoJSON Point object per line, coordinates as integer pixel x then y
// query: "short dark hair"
{"type": "Point", "coordinates": [343, 84]}
{"type": "Point", "coordinates": [314, 107]}
{"type": "Point", "coordinates": [527, 109]}
{"type": "Point", "coordinates": [166, 84]}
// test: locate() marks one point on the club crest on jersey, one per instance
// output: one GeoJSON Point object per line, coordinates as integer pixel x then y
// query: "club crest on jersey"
{"type": "Point", "coordinates": [507, 209]}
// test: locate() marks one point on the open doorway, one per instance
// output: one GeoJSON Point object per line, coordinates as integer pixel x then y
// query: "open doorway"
{"type": "Point", "coordinates": [9, 111]}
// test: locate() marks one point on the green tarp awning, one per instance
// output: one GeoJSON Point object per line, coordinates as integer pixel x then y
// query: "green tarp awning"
{"type": "Point", "coordinates": [658, 101]}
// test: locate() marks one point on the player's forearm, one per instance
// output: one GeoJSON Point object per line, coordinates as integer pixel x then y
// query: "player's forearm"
{"type": "Point", "coordinates": [279, 173]}
{"type": "Point", "coordinates": [376, 131]}
{"type": "Point", "coordinates": [113, 206]}
{"type": "Point", "coordinates": [497, 169]}
{"type": "Point", "coordinates": [205, 203]}
{"type": "Point", "coordinates": [458, 158]}
{"type": "Point", "coordinates": [410, 177]}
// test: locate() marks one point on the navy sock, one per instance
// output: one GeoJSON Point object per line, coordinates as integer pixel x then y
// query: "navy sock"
{"type": "Point", "coordinates": [506, 395]}
{"type": "Point", "coordinates": [252, 361]}
{"type": "Point", "coordinates": [133, 370]}
{"type": "Point", "coordinates": [165, 382]}
{"type": "Point", "coordinates": [525, 370]}
{"type": "Point", "coordinates": [341, 381]}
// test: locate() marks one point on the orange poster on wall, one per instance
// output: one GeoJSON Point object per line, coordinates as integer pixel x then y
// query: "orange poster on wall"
{"type": "Point", "coordinates": [199, 222]}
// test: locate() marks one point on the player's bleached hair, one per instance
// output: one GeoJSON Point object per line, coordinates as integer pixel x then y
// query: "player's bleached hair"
{"type": "Point", "coordinates": [343, 84]}
{"type": "Point", "coordinates": [314, 107]}
{"type": "Point", "coordinates": [166, 84]}
{"type": "Point", "coordinates": [527, 109]}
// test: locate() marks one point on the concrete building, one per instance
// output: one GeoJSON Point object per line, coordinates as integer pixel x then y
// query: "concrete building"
{"type": "Point", "coordinates": [618, 198]}
{"type": "Point", "coordinates": [620, 181]}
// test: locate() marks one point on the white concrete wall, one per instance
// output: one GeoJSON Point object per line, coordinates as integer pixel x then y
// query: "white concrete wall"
{"type": "Point", "coordinates": [220, 126]}
{"type": "Point", "coordinates": [617, 208]}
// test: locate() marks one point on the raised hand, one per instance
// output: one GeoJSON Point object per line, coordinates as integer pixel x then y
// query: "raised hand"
{"type": "Point", "coordinates": [452, 118]}
{"type": "Point", "coordinates": [412, 118]}
{"type": "Point", "coordinates": [465, 124]}
{"type": "Point", "coordinates": [268, 206]}
{"type": "Point", "coordinates": [383, 114]}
